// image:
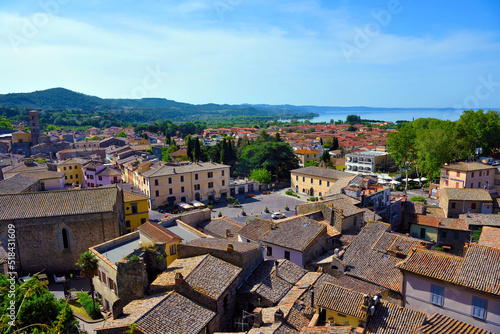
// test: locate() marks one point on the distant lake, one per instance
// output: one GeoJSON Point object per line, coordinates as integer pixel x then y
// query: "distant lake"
{"type": "Point", "coordinates": [386, 114]}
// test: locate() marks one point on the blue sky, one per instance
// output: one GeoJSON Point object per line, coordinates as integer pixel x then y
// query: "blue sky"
{"type": "Point", "coordinates": [305, 52]}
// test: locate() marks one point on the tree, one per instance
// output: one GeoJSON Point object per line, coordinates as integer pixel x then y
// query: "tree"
{"type": "Point", "coordinates": [401, 146]}
{"type": "Point", "coordinates": [190, 147]}
{"type": "Point", "coordinates": [353, 119]}
{"type": "Point", "coordinates": [478, 129]}
{"type": "Point", "coordinates": [325, 157]}
{"type": "Point", "coordinates": [352, 128]}
{"type": "Point", "coordinates": [122, 134]}
{"type": "Point", "coordinates": [197, 150]}
{"type": "Point", "coordinates": [311, 163]}
{"type": "Point", "coordinates": [37, 310]}
{"type": "Point", "coordinates": [88, 263]}
{"type": "Point", "coordinates": [165, 155]}
{"type": "Point", "coordinates": [261, 175]}
{"type": "Point", "coordinates": [335, 144]}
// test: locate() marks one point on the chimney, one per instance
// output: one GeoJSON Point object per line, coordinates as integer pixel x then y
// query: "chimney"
{"type": "Point", "coordinates": [278, 316]}
{"type": "Point", "coordinates": [257, 322]}
{"type": "Point", "coordinates": [228, 232]}
{"type": "Point", "coordinates": [117, 309]}
{"type": "Point", "coordinates": [178, 278]}
{"type": "Point", "coordinates": [230, 248]}
{"type": "Point", "coordinates": [276, 263]}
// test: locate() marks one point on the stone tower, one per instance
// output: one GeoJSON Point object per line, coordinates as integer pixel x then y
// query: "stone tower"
{"type": "Point", "coordinates": [35, 127]}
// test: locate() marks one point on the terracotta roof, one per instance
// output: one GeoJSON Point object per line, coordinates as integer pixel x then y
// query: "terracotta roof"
{"type": "Point", "coordinates": [342, 300]}
{"type": "Point", "coordinates": [375, 266]}
{"type": "Point", "coordinates": [490, 237]}
{"type": "Point", "coordinates": [175, 314]}
{"type": "Point", "coordinates": [255, 229]}
{"type": "Point", "coordinates": [158, 233]}
{"type": "Point", "coordinates": [467, 166]}
{"type": "Point", "coordinates": [465, 194]}
{"type": "Point", "coordinates": [392, 319]}
{"type": "Point", "coordinates": [320, 172]}
{"type": "Point", "coordinates": [296, 233]}
{"type": "Point", "coordinates": [478, 270]}
{"type": "Point", "coordinates": [172, 170]}
{"type": "Point", "coordinates": [205, 274]}
{"type": "Point", "coordinates": [109, 171]}
{"type": "Point", "coordinates": [480, 219]}
{"type": "Point", "coordinates": [58, 203]}
{"type": "Point", "coordinates": [441, 324]}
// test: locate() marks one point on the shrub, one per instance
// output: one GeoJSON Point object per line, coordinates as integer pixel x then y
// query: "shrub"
{"type": "Point", "coordinates": [312, 198]}
{"type": "Point", "coordinates": [289, 193]}
{"type": "Point", "coordinates": [418, 199]}
{"type": "Point", "coordinates": [236, 202]}
{"type": "Point", "coordinates": [86, 301]}
{"type": "Point", "coordinates": [133, 258]}
{"type": "Point", "coordinates": [210, 206]}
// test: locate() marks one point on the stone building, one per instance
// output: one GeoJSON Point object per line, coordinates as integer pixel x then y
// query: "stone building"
{"type": "Point", "coordinates": [54, 227]}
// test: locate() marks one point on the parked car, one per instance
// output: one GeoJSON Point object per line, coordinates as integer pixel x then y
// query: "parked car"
{"type": "Point", "coordinates": [44, 280]}
{"type": "Point", "coordinates": [278, 215]}
{"type": "Point", "coordinates": [59, 279]}
{"type": "Point", "coordinates": [23, 279]}
{"type": "Point", "coordinates": [167, 215]}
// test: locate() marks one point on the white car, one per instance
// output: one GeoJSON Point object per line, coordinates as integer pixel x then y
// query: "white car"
{"type": "Point", "coordinates": [278, 215]}
{"type": "Point", "coordinates": [59, 279]}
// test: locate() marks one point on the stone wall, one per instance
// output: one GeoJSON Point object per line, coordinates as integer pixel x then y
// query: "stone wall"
{"type": "Point", "coordinates": [190, 218]}
{"type": "Point", "coordinates": [131, 279]}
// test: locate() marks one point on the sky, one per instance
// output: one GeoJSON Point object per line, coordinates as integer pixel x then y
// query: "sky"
{"type": "Point", "coordinates": [408, 54]}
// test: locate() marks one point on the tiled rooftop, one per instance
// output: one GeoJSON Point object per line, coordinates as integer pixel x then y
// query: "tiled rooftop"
{"type": "Point", "coordinates": [342, 300]}
{"type": "Point", "coordinates": [133, 197]}
{"type": "Point", "coordinates": [478, 270]}
{"type": "Point", "coordinates": [490, 237]}
{"type": "Point", "coordinates": [320, 172]}
{"type": "Point", "coordinates": [392, 319]}
{"type": "Point", "coordinates": [206, 274]}
{"type": "Point", "coordinates": [172, 170]}
{"type": "Point", "coordinates": [218, 227]}
{"type": "Point", "coordinates": [370, 264]}
{"type": "Point", "coordinates": [441, 324]}
{"type": "Point", "coordinates": [17, 184]}
{"type": "Point", "coordinates": [296, 233]}
{"type": "Point", "coordinates": [447, 223]}
{"type": "Point", "coordinates": [467, 166]}
{"type": "Point", "coordinates": [480, 219]}
{"type": "Point", "coordinates": [466, 194]}
{"type": "Point", "coordinates": [221, 244]}
{"type": "Point", "coordinates": [57, 203]}
{"type": "Point", "coordinates": [175, 314]}
{"type": "Point", "coordinates": [347, 208]}
{"type": "Point", "coordinates": [255, 229]}
{"type": "Point", "coordinates": [158, 233]}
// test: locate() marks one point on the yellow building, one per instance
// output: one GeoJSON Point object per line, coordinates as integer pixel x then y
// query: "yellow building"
{"type": "Point", "coordinates": [136, 210]}
{"type": "Point", "coordinates": [168, 185]}
{"type": "Point", "coordinates": [139, 141]}
{"type": "Point", "coordinates": [73, 168]}
{"type": "Point", "coordinates": [304, 155]}
{"type": "Point", "coordinates": [314, 181]}
{"type": "Point", "coordinates": [342, 306]}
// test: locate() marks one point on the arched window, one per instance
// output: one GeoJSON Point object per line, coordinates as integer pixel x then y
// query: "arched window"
{"type": "Point", "coordinates": [65, 238]}
{"type": "Point", "coordinates": [335, 268]}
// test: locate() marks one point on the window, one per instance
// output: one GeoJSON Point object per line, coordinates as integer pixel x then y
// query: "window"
{"type": "Point", "coordinates": [437, 295]}
{"type": "Point", "coordinates": [479, 307]}
{"type": "Point", "coordinates": [182, 189]}
{"type": "Point", "coordinates": [320, 194]}
{"type": "Point", "coordinates": [64, 168]}
{"type": "Point", "coordinates": [296, 177]}
{"type": "Point", "coordinates": [196, 187]}
{"type": "Point", "coordinates": [487, 172]}
{"type": "Point", "coordinates": [210, 174]}
{"type": "Point", "coordinates": [64, 233]}
{"type": "Point", "coordinates": [196, 176]}
{"type": "Point", "coordinates": [479, 185]}
{"type": "Point", "coordinates": [447, 172]}
{"type": "Point", "coordinates": [327, 183]}
{"type": "Point", "coordinates": [99, 275]}
{"type": "Point", "coordinates": [127, 223]}
{"type": "Point", "coordinates": [303, 179]}
{"type": "Point", "coordinates": [91, 176]}
{"type": "Point", "coordinates": [143, 220]}
{"type": "Point", "coordinates": [182, 178]}
{"type": "Point", "coordinates": [134, 207]}
{"type": "Point", "coordinates": [319, 183]}
{"type": "Point", "coordinates": [111, 284]}
{"type": "Point", "coordinates": [157, 193]}
{"type": "Point", "coordinates": [210, 184]}
{"type": "Point", "coordinates": [169, 180]}
{"type": "Point", "coordinates": [100, 178]}
{"type": "Point", "coordinates": [472, 185]}
{"type": "Point", "coordinates": [456, 184]}
{"type": "Point", "coordinates": [222, 173]}
{"type": "Point", "coordinates": [103, 277]}
{"type": "Point", "coordinates": [312, 180]}
{"type": "Point", "coordinates": [473, 206]}
{"type": "Point", "coordinates": [446, 182]}
{"type": "Point", "coordinates": [76, 176]}
{"type": "Point", "coordinates": [269, 251]}
{"type": "Point", "coordinates": [453, 204]}
{"type": "Point", "coordinates": [472, 175]}
{"type": "Point", "coordinates": [223, 182]}
{"type": "Point", "coordinates": [287, 255]}
{"type": "Point", "coordinates": [71, 177]}
{"type": "Point", "coordinates": [458, 174]}
{"type": "Point", "coordinates": [443, 234]}
{"type": "Point", "coordinates": [422, 233]}
{"type": "Point", "coordinates": [156, 182]}
{"type": "Point", "coordinates": [170, 191]}
{"type": "Point", "coordinates": [480, 173]}
{"type": "Point", "coordinates": [173, 249]}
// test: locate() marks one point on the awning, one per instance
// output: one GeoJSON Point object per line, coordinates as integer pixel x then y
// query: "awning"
{"type": "Point", "coordinates": [197, 204]}
{"type": "Point", "coordinates": [186, 206]}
